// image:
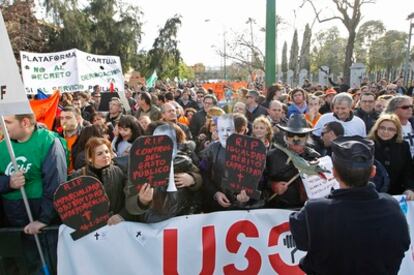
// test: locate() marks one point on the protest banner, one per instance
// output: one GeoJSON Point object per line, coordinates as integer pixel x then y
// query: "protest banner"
{"type": "Point", "coordinates": [150, 160]}
{"type": "Point", "coordinates": [82, 204]}
{"type": "Point", "coordinates": [245, 162]}
{"type": "Point", "coordinates": [13, 99]}
{"type": "Point", "coordinates": [231, 242]}
{"type": "Point", "coordinates": [70, 71]}
{"type": "Point", "coordinates": [317, 186]}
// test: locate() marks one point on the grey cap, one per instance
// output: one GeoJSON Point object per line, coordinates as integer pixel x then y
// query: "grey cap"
{"type": "Point", "coordinates": [353, 151]}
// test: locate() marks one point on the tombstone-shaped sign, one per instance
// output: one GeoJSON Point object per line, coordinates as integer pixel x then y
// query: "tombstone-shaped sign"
{"type": "Point", "coordinates": [357, 74]}
{"type": "Point", "coordinates": [245, 162]}
{"type": "Point", "coordinates": [290, 77]}
{"type": "Point", "coordinates": [150, 160]}
{"type": "Point", "coordinates": [323, 75]}
{"type": "Point", "coordinates": [303, 74]}
{"type": "Point", "coordinates": [82, 204]}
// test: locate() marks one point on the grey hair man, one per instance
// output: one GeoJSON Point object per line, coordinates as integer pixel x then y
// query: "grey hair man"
{"type": "Point", "coordinates": [342, 112]}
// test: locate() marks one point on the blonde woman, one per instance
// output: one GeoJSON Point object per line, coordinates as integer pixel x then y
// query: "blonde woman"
{"type": "Point", "coordinates": [262, 129]}
{"type": "Point", "coordinates": [394, 153]}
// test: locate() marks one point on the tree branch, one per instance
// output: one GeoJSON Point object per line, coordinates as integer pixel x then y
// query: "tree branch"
{"type": "Point", "coordinates": [317, 13]}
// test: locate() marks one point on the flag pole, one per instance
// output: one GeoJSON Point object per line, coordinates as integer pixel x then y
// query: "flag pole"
{"type": "Point", "coordinates": [23, 192]}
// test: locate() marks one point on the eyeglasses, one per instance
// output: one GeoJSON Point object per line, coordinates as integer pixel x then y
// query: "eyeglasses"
{"type": "Point", "coordinates": [405, 107]}
{"type": "Point", "coordinates": [291, 135]}
{"type": "Point", "coordinates": [388, 129]}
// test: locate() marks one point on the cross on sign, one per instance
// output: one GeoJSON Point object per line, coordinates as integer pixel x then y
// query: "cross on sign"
{"type": "Point", "coordinates": [97, 235]}
{"type": "Point", "coordinates": [240, 176]}
{"type": "Point", "coordinates": [138, 234]}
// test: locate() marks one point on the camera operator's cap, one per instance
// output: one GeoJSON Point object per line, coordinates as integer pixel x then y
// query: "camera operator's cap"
{"type": "Point", "coordinates": [253, 93]}
{"type": "Point", "coordinates": [353, 151]}
{"type": "Point", "coordinates": [330, 92]}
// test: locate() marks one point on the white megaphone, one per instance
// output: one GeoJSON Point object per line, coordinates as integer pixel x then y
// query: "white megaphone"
{"type": "Point", "coordinates": [169, 131]}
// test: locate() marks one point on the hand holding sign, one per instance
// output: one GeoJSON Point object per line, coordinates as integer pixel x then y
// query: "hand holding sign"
{"type": "Point", "coordinates": [245, 162]}
{"type": "Point", "coordinates": [82, 204]}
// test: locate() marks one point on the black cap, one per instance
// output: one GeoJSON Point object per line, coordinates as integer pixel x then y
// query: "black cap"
{"type": "Point", "coordinates": [353, 151]}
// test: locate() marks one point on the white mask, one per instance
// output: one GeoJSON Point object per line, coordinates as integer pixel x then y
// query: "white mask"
{"type": "Point", "coordinates": [225, 128]}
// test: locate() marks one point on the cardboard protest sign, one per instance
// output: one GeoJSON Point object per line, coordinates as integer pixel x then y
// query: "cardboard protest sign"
{"type": "Point", "coordinates": [245, 162]}
{"type": "Point", "coordinates": [82, 204]}
{"type": "Point", "coordinates": [150, 160]}
{"type": "Point", "coordinates": [317, 186]}
{"type": "Point", "coordinates": [70, 71]}
{"type": "Point", "coordinates": [13, 100]}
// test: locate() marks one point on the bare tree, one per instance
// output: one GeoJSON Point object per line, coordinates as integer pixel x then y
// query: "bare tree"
{"type": "Point", "coordinates": [349, 13]}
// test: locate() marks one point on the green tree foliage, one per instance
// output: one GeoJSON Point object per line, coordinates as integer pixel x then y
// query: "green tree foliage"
{"type": "Point", "coordinates": [106, 27]}
{"type": "Point", "coordinates": [165, 56]}
{"type": "Point", "coordinates": [304, 62]}
{"type": "Point", "coordinates": [284, 61]}
{"type": "Point", "coordinates": [26, 33]}
{"type": "Point", "coordinates": [388, 51]}
{"type": "Point", "coordinates": [294, 51]}
{"type": "Point", "coordinates": [367, 33]}
{"type": "Point", "coordinates": [185, 71]}
{"type": "Point", "coordinates": [329, 50]}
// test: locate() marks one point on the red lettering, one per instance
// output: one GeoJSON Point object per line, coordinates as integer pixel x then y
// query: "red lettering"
{"type": "Point", "coordinates": [275, 260]}
{"type": "Point", "coordinates": [238, 141]}
{"type": "Point", "coordinates": [209, 250]}
{"type": "Point", "coordinates": [254, 144]}
{"type": "Point", "coordinates": [249, 230]}
{"type": "Point", "coordinates": [170, 252]}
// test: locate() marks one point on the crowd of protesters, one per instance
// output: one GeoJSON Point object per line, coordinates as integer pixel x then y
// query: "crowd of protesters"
{"type": "Point", "coordinates": [305, 119]}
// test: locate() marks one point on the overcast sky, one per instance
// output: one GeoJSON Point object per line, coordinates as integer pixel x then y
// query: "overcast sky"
{"type": "Point", "coordinates": [204, 22]}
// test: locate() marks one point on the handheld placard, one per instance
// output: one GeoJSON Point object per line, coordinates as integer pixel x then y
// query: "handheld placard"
{"type": "Point", "coordinates": [82, 204]}
{"type": "Point", "coordinates": [245, 162]}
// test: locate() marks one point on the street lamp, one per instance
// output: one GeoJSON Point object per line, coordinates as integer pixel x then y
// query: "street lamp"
{"type": "Point", "coordinates": [207, 20]}
{"type": "Point", "coordinates": [407, 54]}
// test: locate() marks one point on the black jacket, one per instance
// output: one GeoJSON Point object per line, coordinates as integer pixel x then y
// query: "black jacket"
{"type": "Point", "coordinates": [277, 170]}
{"type": "Point", "coordinates": [368, 118]}
{"type": "Point", "coordinates": [396, 158]}
{"type": "Point", "coordinates": [197, 122]}
{"type": "Point", "coordinates": [352, 231]}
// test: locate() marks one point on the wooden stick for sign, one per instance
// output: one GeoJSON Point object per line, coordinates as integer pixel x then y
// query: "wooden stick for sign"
{"type": "Point", "coordinates": [288, 183]}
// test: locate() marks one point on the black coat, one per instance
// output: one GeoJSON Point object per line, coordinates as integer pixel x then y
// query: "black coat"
{"type": "Point", "coordinates": [277, 170]}
{"type": "Point", "coordinates": [396, 158]}
{"type": "Point", "coordinates": [353, 231]}
{"type": "Point", "coordinates": [197, 122]}
{"type": "Point", "coordinates": [368, 118]}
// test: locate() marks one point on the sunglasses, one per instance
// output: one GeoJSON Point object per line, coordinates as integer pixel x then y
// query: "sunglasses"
{"type": "Point", "coordinates": [291, 135]}
{"type": "Point", "coordinates": [405, 107]}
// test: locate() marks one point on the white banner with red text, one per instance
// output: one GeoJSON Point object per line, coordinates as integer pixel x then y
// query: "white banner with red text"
{"type": "Point", "coordinates": [248, 242]}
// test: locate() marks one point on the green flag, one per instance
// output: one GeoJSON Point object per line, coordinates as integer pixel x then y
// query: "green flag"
{"type": "Point", "coordinates": [152, 79]}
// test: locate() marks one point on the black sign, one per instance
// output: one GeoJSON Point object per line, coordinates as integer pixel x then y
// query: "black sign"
{"type": "Point", "coordinates": [245, 162]}
{"type": "Point", "coordinates": [150, 160]}
{"type": "Point", "coordinates": [82, 204]}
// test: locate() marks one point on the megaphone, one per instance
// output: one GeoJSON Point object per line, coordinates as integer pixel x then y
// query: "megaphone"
{"type": "Point", "coordinates": [169, 131]}
{"type": "Point", "coordinates": [171, 183]}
